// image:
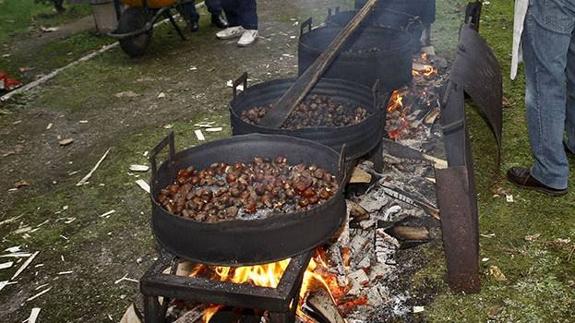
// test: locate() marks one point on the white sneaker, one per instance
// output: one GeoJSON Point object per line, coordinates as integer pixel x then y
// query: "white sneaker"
{"type": "Point", "coordinates": [248, 37]}
{"type": "Point", "coordinates": [231, 32]}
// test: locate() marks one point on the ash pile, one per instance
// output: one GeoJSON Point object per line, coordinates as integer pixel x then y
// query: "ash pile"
{"type": "Point", "coordinates": [394, 211]}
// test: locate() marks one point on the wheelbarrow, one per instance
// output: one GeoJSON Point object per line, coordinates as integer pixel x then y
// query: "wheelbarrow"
{"type": "Point", "coordinates": [136, 22]}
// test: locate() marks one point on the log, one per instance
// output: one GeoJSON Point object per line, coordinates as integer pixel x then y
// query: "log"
{"type": "Point", "coordinates": [322, 308]}
{"type": "Point", "coordinates": [410, 233]}
{"type": "Point", "coordinates": [295, 94]}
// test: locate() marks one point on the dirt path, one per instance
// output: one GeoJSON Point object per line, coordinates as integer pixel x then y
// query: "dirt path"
{"type": "Point", "coordinates": [93, 105]}
{"type": "Point", "coordinates": [39, 38]}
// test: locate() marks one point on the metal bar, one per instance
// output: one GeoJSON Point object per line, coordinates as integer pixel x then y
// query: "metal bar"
{"type": "Point", "coordinates": [459, 229]}
{"type": "Point", "coordinates": [168, 15]}
{"type": "Point", "coordinates": [118, 9]}
{"type": "Point", "coordinates": [155, 283]}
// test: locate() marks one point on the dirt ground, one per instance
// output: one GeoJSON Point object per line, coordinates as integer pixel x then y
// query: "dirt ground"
{"type": "Point", "coordinates": [100, 251]}
{"type": "Point", "coordinates": [114, 102]}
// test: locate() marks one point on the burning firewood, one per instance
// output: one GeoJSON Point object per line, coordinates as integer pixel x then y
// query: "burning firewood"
{"type": "Point", "coordinates": [319, 305]}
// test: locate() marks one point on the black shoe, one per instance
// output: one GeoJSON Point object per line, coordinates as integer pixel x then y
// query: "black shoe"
{"type": "Point", "coordinates": [219, 22]}
{"type": "Point", "coordinates": [522, 177]}
{"type": "Point", "coordinates": [194, 26]}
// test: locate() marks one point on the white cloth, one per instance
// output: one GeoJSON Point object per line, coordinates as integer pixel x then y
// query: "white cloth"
{"type": "Point", "coordinates": [518, 21]}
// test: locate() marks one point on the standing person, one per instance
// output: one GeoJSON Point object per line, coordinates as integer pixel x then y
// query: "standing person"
{"type": "Point", "coordinates": [549, 55]}
{"type": "Point", "coordinates": [192, 17]}
{"type": "Point", "coordinates": [243, 21]}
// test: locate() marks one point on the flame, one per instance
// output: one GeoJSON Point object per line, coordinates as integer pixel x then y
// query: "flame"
{"type": "Point", "coordinates": [396, 100]}
{"type": "Point", "coordinates": [316, 276]}
{"type": "Point", "coordinates": [424, 70]}
{"type": "Point", "coordinates": [210, 312]}
{"type": "Point", "coordinates": [423, 67]}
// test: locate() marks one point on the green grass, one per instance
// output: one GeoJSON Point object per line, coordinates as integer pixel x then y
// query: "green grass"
{"type": "Point", "coordinates": [540, 274]}
{"type": "Point", "coordinates": [17, 16]}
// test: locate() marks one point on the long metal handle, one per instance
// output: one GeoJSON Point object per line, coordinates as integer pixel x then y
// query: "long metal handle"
{"type": "Point", "coordinates": [169, 140]}
{"type": "Point", "coordinates": [306, 24]}
{"type": "Point", "coordinates": [341, 164]}
{"type": "Point", "coordinates": [243, 79]}
{"type": "Point", "coordinates": [380, 97]}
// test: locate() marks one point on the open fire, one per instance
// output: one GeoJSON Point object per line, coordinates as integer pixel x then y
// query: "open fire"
{"type": "Point", "coordinates": [316, 277]}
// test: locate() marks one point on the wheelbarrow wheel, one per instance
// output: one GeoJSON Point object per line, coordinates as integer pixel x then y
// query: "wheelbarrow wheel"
{"type": "Point", "coordinates": [133, 19]}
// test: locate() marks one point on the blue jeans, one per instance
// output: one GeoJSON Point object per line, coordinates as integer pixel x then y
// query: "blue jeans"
{"type": "Point", "coordinates": [549, 55]}
{"type": "Point", "coordinates": [190, 12]}
{"type": "Point", "coordinates": [241, 13]}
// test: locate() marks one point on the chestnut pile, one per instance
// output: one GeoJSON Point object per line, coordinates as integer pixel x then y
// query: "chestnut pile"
{"type": "Point", "coordinates": [315, 111]}
{"type": "Point", "coordinates": [254, 190]}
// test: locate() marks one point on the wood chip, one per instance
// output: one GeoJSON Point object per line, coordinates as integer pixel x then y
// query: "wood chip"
{"type": "Point", "coordinates": [25, 264]}
{"type": "Point", "coordinates": [23, 230]}
{"type": "Point", "coordinates": [5, 283]}
{"type": "Point", "coordinates": [411, 233]}
{"type": "Point", "coordinates": [66, 142]}
{"type": "Point", "coordinates": [143, 185]}
{"type": "Point", "coordinates": [6, 265]}
{"type": "Point", "coordinates": [107, 214]}
{"type": "Point", "coordinates": [360, 176]}
{"type": "Point", "coordinates": [13, 249]}
{"type": "Point", "coordinates": [84, 180]}
{"type": "Point", "coordinates": [418, 309]}
{"type": "Point", "coordinates": [17, 255]}
{"type": "Point", "coordinates": [10, 220]}
{"type": "Point", "coordinates": [130, 316]}
{"type": "Point", "coordinates": [217, 129]}
{"type": "Point", "coordinates": [65, 272]}
{"type": "Point", "coordinates": [199, 135]}
{"type": "Point", "coordinates": [139, 168]}
{"type": "Point", "coordinates": [34, 315]}
{"type": "Point", "coordinates": [38, 295]}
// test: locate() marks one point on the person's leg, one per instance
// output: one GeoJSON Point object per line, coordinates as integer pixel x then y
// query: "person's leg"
{"type": "Point", "coordinates": [248, 13]}
{"type": "Point", "coordinates": [214, 7]}
{"type": "Point", "coordinates": [230, 8]}
{"type": "Point", "coordinates": [548, 29]}
{"type": "Point", "coordinates": [570, 122]}
{"type": "Point", "coordinates": [189, 13]}
{"type": "Point", "coordinates": [234, 28]}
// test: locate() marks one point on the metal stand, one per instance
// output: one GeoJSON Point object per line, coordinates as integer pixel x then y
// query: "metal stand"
{"type": "Point", "coordinates": [281, 302]}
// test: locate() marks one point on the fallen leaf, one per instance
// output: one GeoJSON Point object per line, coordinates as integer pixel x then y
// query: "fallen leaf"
{"type": "Point", "coordinates": [21, 183]}
{"type": "Point", "coordinates": [497, 273]}
{"type": "Point", "coordinates": [532, 237]}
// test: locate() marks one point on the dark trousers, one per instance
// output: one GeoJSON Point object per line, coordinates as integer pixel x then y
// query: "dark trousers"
{"type": "Point", "coordinates": [241, 13]}
{"type": "Point", "coordinates": [189, 9]}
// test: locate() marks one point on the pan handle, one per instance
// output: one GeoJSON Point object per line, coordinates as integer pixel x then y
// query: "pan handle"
{"type": "Point", "coordinates": [341, 164]}
{"type": "Point", "coordinates": [380, 96]}
{"type": "Point", "coordinates": [305, 25]}
{"type": "Point", "coordinates": [169, 140]}
{"type": "Point", "coordinates": [242, 80]}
